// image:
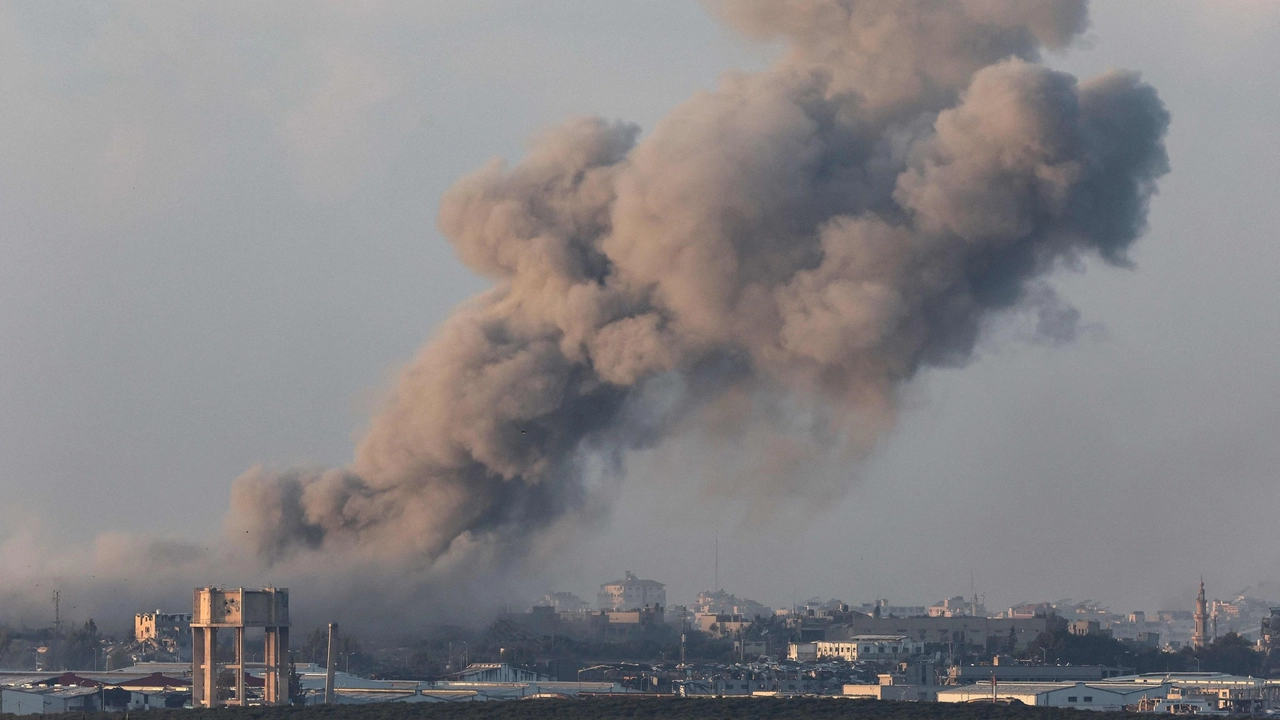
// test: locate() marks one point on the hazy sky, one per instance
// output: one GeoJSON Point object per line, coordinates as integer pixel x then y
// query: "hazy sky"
{"type": "Point", "coordinates": [218, 245]}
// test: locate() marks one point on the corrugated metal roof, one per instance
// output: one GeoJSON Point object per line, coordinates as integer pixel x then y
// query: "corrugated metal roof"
{"type": "Point", "coordinates": [67, 693]}
{"type": "Point", "coordinates": [1005, 688]}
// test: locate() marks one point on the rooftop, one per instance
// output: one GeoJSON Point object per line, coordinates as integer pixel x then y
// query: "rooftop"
{"type": "Point", "coordinates": [631, 579]}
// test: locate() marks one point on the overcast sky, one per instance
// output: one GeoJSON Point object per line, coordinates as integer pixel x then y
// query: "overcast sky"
{"type": "Point", "coordinates": [218, 245]}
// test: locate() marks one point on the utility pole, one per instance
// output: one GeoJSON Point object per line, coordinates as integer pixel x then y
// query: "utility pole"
{"type": "Point", "coordinates": [57, 612]}
{"type": "Point", "coordinates": [331, 666]}
{"type": "Point", "coordinates": [682, 634]}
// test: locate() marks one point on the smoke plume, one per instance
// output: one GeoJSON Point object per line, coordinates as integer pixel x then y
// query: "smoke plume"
{"type": "Point", "coordinates": [813, 234]}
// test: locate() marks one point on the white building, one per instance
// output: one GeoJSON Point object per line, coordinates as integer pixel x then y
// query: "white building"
{"type": "Point", "coordinates": [632, 593]}
{"type": "Point", "coordinates": [1082, 696]}
{"type": "Point", "coordinates": [1226, 693]}
{"type": "Point", "coordinates": [864, 648]}
{"type": "Point", "coordinates": [49, 701]}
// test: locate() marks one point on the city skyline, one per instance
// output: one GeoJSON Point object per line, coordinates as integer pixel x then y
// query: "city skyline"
{"type": "Point", "coordinates": [222, 259]}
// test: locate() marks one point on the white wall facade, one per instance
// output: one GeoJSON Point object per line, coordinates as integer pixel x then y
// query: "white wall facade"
{"type": "Point", "coordinates": [1081, 696]}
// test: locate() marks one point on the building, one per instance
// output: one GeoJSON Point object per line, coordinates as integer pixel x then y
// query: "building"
{"type": "Point", "coordinates": [957, 607]}
{"type": "Point", "coordinates": [1233, 693]}
{"type": "Point", "coordinates": [964, 674]}
{"type": "Point", "coordinates": [882, 607]}
{"type": "Point", "coordinates": [495, 673]}
{"type": "Point", "coordinates": [1270, 636]}
{"type": "Point", "coordinates": [629, 622]}
{"type": "Point", "coordinates": [49, 701]}
{"type": "Point", "coordinates": [479, 682]}
{"type": "Point", "coordinates": [161, 625]}
{"type": "Point", "coordinates": [860, 648]}
{"type": "Point", "coordinates": [915, 682]}
{"type": "Point", "coordinates": [1112, 696]}
{"type": "Point", "coordinates": [721, 625]}
{"type": "Point", "coordinates": [1028, 611]}
{"type": "Point", "coordinates": [632, 593]}
{"type": "Point", "coordinates": [954, 632]}
{"type": "Point", "coordinates": [84, 692]}
{"type": "Point", "coordinates": [566, 602]}
{"type": "Point", "coordinates": [802, 651]}
{"type": "Point", "coordinates": [719, 602]}
{"type": "Point", "coordinates": [767, 683]}
{"type": "Point", "coordinates": [1088, 627]}
{"type": "Point", "coordinates": [543, 620]}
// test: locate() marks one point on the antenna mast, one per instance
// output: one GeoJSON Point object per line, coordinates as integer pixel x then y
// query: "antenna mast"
{"type": "Point", "coordinates": [717, 587]}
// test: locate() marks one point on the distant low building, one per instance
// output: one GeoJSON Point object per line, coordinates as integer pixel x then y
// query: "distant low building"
{"type": "Point", "coordinates": [989, 633]}
{"type": "Point", "coordinates": [1028, 611]}
{"type": "Point", "coordinates": [719, 625]}
{"type": "Point", "coordinates": [49, 701]}
{"type": "Point", "coordinates": [802, 651]}
{"type": "Point", "coordinates": [875, 648]}
{"type": "Point", "coordinates": [720, 602]}
{"type": "Point", "coordinates": [495, 673]}
{"type": "Point", "coordinates": [566, 602]}
{"type": "Point", "coordinates": [1081, 696]}
{"type": "Point", "coordinates": [957, 607]}
{"type": "Point", "coordinates": [916, 682]}
{"type": "Point", "coordinates": [883, 608]}
{"type": "Point", "coordinates": [1231, 693]}
{"type": "Point", "coordinates": [626, 622]}
{"type": "Point", "coordinates": [1088, 627]}
{"type": "Point", "coordinates": [964, 674]}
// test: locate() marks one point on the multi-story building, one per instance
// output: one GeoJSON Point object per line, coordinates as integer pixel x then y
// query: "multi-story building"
{"type": "Point", "coordinates": [159, 625]}
{"type": "Point", "coordinates": [566, 602]}
{"type": "Point", "coordinates": [632, 593]}
{"type": "Point", "coordinates": [859, 648]}
{"type": "Point", "coordinates": [721, 602]}
{"type": "Point", "coordinates": [719, 625]}
{"type": "Point", "coordinates": [957, 607]}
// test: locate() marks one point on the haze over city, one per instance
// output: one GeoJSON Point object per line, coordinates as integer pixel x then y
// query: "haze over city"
{"type": "Point", "coordinates": [230, 228]}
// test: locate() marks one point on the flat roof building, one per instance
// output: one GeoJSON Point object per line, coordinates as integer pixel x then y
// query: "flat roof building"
{"type": "Point", "coordinates": [632, 593]}
{"type": "Point", "coordinates": [1081, 696]}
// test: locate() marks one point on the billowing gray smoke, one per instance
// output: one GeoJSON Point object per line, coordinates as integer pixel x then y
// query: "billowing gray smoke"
{"type": "Point", "coordinates": [816, 232]}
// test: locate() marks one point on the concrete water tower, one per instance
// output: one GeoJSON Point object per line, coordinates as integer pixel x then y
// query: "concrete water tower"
{"type": "Point", "coordinates": [238, 609]}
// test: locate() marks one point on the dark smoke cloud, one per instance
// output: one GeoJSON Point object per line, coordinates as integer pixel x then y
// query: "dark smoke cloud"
{"type": "Point", "coordinates": [815, 232]}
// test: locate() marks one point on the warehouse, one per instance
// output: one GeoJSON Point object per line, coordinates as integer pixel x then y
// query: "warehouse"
{"type": "Point", "coordinates": [1079, 695]}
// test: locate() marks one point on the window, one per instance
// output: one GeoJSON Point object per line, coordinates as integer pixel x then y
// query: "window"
{"type": "Point", "coordinates": [1071, 698]}
{"type": "Point", "coordinates": [1088, 698]}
